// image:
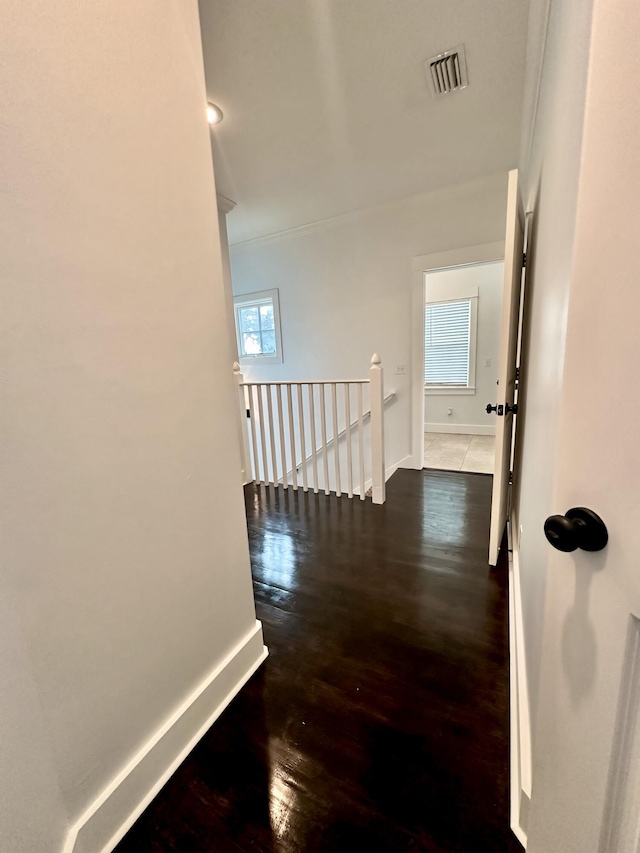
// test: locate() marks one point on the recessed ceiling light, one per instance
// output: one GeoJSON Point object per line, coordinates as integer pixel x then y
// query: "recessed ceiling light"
{"type": "Point", "coordinates": [214, 114]}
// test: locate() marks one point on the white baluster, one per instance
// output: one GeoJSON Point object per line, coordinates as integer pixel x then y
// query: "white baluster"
{"type": "Point", "coordinates": [312, 425]}
{"type": "Point", "coordinates": [323, 427]}
{"type": "Point", "coordinates": [263, 437]}
{"type": "Point", "coordinates": [303, 445]}
{"type": "Point", "coordinates": [376, 379]}
{"type": "Point", "coordinates": [272, 437]}
{"type": "Point", "coordinates": [254, 442]}
{"type": "Point", "coordinates": [283, 455]}
{"type": "Point", "coordinates": [360, 443]}
{"type": "Point", "coordinates": [336, 453]}
{"type": "Point", "coordinates": [292, 441]}
{"type": "Point", "coordinates": [347, 418]}
{"type": "Point", "coordinates": [245, 454]}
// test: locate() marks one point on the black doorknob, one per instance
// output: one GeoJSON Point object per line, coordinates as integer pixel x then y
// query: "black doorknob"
{"type": "Point", "coordinates": [499, 410]}
{"type": "Point", "coordinates": [579, 527]}
{"type": "Point", "coordinates": [509, 408]}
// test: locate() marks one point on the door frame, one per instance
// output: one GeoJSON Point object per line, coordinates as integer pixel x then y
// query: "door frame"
{"type": "Point", "coordinates": [420, 265]}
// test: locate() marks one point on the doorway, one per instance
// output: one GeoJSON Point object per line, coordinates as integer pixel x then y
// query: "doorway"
{"type": "Point", "coordinates": [462, 309]}
{"type": "Point", "coordinates": [457, 302]}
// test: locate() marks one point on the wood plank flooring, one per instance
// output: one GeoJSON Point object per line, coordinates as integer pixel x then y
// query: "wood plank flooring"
{"type": "Point", "coordinates": [379, 722]}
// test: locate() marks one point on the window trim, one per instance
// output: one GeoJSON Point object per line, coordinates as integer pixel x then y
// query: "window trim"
{"type": "Point", "coordinates": [435, 292]}
{"type": "Point", "coordinates": [261, 296]}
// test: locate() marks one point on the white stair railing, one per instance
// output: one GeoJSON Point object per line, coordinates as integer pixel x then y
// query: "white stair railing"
{"type": "Point", "coordinates": [311, 434]}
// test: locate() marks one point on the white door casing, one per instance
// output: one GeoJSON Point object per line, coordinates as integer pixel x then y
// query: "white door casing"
{"type": "Point", "coordinates": [505, 390]}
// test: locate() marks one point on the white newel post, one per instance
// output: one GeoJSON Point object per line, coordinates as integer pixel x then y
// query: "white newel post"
{"type": "Point", "coordinates": [376, 379]}
{"type": "Point", "coordinates": [245, 454]}
{"type": "Point", "coordinates": [225, 206]}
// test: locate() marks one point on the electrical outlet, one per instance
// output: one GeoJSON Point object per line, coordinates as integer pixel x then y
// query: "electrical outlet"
{"type": "Point", "coordinates": [401, 369]}
{"type": "Point", "coordinates": [487, 362]}
{"type": "Point", "coordinates": [449, 411]}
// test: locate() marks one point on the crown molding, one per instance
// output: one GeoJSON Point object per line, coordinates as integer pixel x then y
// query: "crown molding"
{"type": "Point", "coordinates": [459, 189]}
{"type": "Point", "coordinates": [225, 205]}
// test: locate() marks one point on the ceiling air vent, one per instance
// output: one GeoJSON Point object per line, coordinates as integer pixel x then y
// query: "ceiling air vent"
{"type": "Point", "coordinates": [447, 72]}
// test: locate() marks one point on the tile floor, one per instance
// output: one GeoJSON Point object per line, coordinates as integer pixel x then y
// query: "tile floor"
{"type": "Point", "coordinates": [451, 452]}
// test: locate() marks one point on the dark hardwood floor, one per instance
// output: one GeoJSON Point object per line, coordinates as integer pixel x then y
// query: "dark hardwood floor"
{"type": "Point", "coordinates": [379, 722]}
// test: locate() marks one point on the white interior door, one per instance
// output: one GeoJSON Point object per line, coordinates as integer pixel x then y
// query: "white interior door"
{"type": "Point", "coordinates": [586, 739]}
{"type": "Point", "coordinates": [505, 390]}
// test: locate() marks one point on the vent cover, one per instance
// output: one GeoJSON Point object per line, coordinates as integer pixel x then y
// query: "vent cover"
{"type": "Point", "coordinates": [447, 72]}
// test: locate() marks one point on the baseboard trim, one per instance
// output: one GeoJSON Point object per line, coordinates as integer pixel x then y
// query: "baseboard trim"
{"type": "Point", "coordinates": [412, 462]}
{"type": "Point", "coordinates": [407, 462]}
{"type": "Point", "coordinates": [119, 805]}
{"type": "Point", "coordinates": [461, 429]}
{"type": "Point", "coordinates": [520, 719]}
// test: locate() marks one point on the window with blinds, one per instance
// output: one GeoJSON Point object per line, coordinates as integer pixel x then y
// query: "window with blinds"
{"type": "Point", "coordinates": [447, 333]}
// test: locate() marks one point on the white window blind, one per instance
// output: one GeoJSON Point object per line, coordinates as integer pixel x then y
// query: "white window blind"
{"type": "Point", "coordinates": [447, 332]}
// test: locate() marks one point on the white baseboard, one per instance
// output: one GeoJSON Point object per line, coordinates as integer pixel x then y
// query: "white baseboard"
{"type": "Point", "coordinates": [461, 429]}
{"type": "Point", "coordinates": [520, 718]}
{"type": "Point", "coordinates": [407, 462]}
{"type": "Point", "coordinates": [412, 462]}
{"type": "Point", "coordinates": [119, 805]}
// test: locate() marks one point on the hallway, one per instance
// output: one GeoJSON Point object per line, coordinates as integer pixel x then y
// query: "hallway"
{"type": "Point", "coordinates": [379, 722]}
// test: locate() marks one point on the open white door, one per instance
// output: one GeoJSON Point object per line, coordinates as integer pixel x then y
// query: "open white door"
{"type": "Point", "coordinates": [586, 740]}
{"type": "Point", "coordinates": [505, 391]}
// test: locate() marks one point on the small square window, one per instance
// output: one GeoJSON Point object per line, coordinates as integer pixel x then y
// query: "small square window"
{"type": "Point", "coordinates": [258, 327]}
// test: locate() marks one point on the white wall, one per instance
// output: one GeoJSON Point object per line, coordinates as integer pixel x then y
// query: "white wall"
{"type": "Point", "coordinates": [125, 569]}
{"type": "Point", "coordinates": [551, 191]}
{"type": "Point", "coordinates": [345, 286]}
{"type": "Point", "coordinates": [469, 410]}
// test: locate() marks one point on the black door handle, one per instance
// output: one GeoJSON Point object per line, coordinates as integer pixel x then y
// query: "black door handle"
{"type": "Point", "coordinates": [499, 410]}
{"type": "Point", "coordinates": [509, 408]}
{"type": "Point", "coordinates": [579, 527]}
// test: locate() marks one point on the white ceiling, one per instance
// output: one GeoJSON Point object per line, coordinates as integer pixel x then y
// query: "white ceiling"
{"type": "Point", "coordinates": [327, 110]}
